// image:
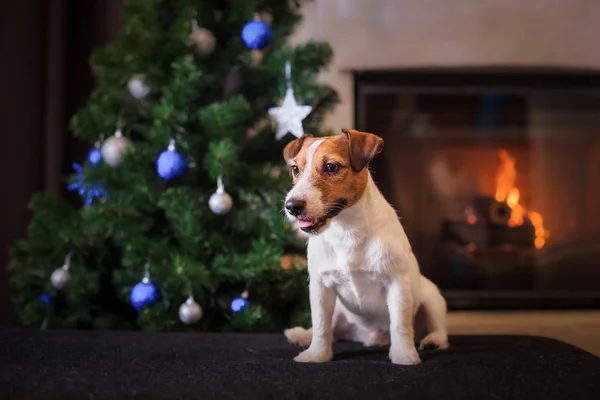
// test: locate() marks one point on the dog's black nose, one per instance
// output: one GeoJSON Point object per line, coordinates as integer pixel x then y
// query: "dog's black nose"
{"type": "Point", "coordinates": [295, 207]}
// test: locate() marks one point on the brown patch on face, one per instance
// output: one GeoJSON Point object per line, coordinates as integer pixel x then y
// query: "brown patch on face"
{"type": "Point", "coordinates": [341, 185]}
{"type": "Point", "coordinates": [294, 155]}
{"type": "Point", "coordinates": [350, 154]}
{"type": "Point", "coordinates": [292, 149]}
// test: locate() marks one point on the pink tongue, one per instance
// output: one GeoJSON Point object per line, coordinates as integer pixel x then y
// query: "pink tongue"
{"type": "Point", "coordinates": [305, 223]}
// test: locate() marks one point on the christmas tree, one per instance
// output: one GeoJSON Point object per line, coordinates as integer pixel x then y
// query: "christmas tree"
{"type": "Point", "coordinates": [179, 224]}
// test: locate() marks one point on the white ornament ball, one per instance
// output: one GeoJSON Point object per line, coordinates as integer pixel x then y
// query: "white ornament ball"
{"type": "Point", "coordinates": [204, 40]}
{"type": "Point", "coordinates": [114, 148]}
{"type": "Point", "coordinates": [60, 278]}
{"type": "Point", "coordinates": [138, 87]}
{"type": "Point", "coordinates": [220, 202]}
{"type": "Point", "coordinates": [190, 312]}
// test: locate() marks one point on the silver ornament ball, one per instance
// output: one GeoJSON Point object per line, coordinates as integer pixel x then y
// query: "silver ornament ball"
{"type": "Point", "coordinates": [203, 40]}
{"type": "Point", "coordinates": [114, 148]}
{"type": "Point", "coordinates": [138, 88]}
{"type": "Point", "coordinates": [190, 312]}
{"type": "Point", "coordinates": [60, 278]}
{"type": "Point", "coordinates": [220, 202]}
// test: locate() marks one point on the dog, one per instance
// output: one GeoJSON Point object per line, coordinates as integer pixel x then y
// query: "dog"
{"type": "Point", "coordinates": [364, 279]}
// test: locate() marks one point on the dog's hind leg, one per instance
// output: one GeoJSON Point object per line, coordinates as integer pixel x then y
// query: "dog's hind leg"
{"type": "Point", "coordinates": [299, 336]}
{"type": "Point", "coordinates": [342, 329]}
{"type": "Point", "coordinates": [433, 313]}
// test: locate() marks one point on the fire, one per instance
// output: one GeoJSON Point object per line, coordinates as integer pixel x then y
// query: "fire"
{"type": "Point", "coordinates": [517, 211]}
{"type": "Point", "coordinates": [540, 233]}
{"type": "Point", "coordinates": [471, 217]}
{"type": "Point", "coordinates": [506, 191]}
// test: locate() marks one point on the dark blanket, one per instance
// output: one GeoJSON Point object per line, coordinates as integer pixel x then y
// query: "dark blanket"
{"type": "Point", "coordinates": [125, 365]}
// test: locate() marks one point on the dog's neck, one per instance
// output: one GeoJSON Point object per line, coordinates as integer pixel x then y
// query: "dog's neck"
{"type": "Point", "coordinates": [369, 214]}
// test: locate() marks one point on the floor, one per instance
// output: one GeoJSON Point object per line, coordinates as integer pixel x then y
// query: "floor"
{"type": "Point", "coordinates": [579, 328]}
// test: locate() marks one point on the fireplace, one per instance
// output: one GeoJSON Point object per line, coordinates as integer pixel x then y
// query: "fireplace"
{"type": "Point", "coordinates": [496, 178]}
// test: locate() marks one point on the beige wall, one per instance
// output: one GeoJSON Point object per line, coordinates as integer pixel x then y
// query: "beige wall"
{"type": "Point", "coordinates": [377, 34]}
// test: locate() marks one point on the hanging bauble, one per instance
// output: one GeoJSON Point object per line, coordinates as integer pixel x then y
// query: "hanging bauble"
{"type": "Point", "coordinates": [94, 156]}
{"type": "Point", "coordinates": [241, 302]}
{"type": "Point", "coordinates": [88, 190]}
{"type": "Point", "coordinates": [256, 34]}
{"type": "Point", "coordinates": [289, 115]}
{"type": "Point", "coordinates": [145, 293]}
{"type": "Point", "coordinates": [138, 88]}
{"type": "Point", "coordinates": [220, 202]}
{"type": "Point", "coordinates": [204, 41]}
{"type": "Point", "coordinates": [60, 277]}
{"type": "Point", "coordinates": [46, 299]}
{"type": "Point", "coordinates": [170, 164]}
{"type": "Point", "coordinates": [190, 312]}
{"type": "Point", "coordinates": [114, 148]}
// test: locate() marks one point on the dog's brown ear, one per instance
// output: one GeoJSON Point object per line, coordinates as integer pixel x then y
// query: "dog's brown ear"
{"type": "Point", "coordinates": [293, 148]}
{"type": "Point", "coordinates": [363, 147]}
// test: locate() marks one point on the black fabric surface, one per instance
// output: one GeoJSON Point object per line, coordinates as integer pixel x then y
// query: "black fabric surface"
{"type": "Point", "coordinates": [124, 365]}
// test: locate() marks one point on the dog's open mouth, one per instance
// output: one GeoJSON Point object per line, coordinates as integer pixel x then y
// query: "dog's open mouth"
{"type": "Point", "coordinates": [306, 222]}
{"type": "Point", "coordinates": [311, 225]}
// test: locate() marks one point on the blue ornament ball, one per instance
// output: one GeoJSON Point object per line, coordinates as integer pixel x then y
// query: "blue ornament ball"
{"type": "Point", "coordinates": [46, 299]}
{"type": "Point", "coordinates": [239, 303]}
{"type": "Point", "coordinates": [170, 164]}
{"type": "Point", "coordinates": [145, 294]}
{"type": "Point", "coordinates": [95, 156]}
{"type": "Point", "coordinates": [256, 35]}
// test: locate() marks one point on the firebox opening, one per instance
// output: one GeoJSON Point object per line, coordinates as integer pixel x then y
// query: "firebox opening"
{"type": "Point", "coordinates": [497, 179]}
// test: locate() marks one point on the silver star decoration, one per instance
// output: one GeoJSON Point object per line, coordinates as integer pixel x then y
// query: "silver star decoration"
{"type": "Point", "coordinates": [289, 115]}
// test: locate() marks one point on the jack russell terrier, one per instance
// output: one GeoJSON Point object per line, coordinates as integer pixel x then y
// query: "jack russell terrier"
{"type": "Point", "coordinates": [365, 284]}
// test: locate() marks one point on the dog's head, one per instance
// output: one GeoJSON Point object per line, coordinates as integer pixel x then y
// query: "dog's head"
{"type": "Point", "coordinates": [329, 175]}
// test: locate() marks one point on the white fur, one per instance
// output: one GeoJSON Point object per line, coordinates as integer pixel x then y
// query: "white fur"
{"type": "Point", "coordinates": [303, 189]}
{"type": "Point", "coordinates": [365, 283]}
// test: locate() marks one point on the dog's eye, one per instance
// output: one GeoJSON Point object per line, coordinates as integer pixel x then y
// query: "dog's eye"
{"type": "Point", "coordinates": [295, 170]}
{"type": "Point", "coordinates": [331, 168]}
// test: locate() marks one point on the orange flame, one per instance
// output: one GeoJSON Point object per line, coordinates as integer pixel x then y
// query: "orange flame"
{"type": "Point", "coordinates": [506, 176]}
{"type": "Point", "coordinates": [471, 217]}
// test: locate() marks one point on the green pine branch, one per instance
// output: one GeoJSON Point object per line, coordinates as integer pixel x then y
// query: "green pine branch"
{"type": "Point", "coordinates": [215, 108]}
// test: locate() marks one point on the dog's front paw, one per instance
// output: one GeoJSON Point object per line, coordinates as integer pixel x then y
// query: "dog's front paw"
{"type": "Point", "coordinates": [314, 356]}
{"type": "Point", "coordinates": [404, 356]}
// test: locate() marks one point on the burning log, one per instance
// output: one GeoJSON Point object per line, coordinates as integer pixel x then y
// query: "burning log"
{"type": "Point", "coordinates": [488, 225]}
{"type": "Point", "coordinates": [492, 211]}
{"type": "Point", "coordinates": [486, 234]}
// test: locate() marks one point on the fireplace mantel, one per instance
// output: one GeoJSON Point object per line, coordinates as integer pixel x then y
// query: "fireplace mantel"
{"type": "Point", "coordinates": [434, 34]}
{"type": "Point", "coordinates": [393, 34]}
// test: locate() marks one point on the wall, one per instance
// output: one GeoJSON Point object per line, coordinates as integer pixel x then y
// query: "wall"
{"type": "Point", "coordinates": [392, 34]}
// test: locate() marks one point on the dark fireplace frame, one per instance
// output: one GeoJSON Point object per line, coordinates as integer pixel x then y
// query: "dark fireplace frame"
{"type": "Point", "coordinates": [422, 80]}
